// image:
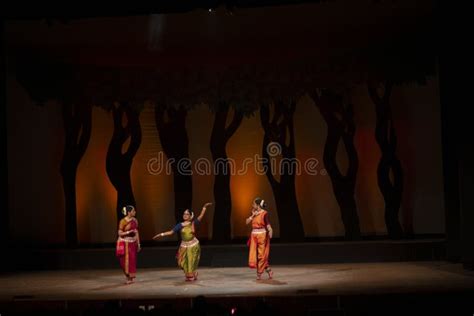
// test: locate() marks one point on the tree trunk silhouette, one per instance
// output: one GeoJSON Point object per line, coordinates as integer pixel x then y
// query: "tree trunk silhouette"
{"type": "Point", "coordinates": [389, 165]}
{"type": "Point", "coordinates": [119, 161]}
{"type": "Point", "coordinates": [276, 130]}
{"type": "Point", "coordinates": [77, 120]}
{"type": "Point", "coordinates": [339, 118]}
{"type": "Point", "coordinates": [171, 125]}
{"type": "Point", "coordinates": [221, 134]}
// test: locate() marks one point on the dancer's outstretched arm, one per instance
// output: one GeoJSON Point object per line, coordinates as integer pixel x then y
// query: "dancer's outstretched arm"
{"type": "Point", "coordinates": [167, 233]}
{"type": "Point", "coordinates": [203, 211]}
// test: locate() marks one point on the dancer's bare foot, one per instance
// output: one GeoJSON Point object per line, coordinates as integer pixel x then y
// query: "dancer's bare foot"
{"type": "Point", "coordinates": [259, 277]}
{"type": "Point", "coordinates": [270, 273]}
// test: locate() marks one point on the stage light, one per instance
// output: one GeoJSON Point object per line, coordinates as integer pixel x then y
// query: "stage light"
{"type": "Point", "coordinates": [233, 310]}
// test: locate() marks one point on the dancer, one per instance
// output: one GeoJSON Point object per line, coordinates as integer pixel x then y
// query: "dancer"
{"type": "Point", "coordinates": [259, 240]}
{"type": "Point", "coordinates": [128, 243]}
{"type": "Point", "coordinates": [189, 251]}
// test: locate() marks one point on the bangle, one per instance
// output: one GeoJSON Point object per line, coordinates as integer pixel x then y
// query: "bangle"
{"type": "Point", "coordinates": [161, 234]}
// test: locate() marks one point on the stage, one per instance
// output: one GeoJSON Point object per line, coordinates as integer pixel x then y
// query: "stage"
{"type": "Point", "coordinates": [339, 288]}
{"type": "Point", "coordinates": [230, 255]}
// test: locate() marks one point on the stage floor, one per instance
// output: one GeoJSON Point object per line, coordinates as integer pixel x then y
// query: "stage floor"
{"type": "Point", "coordinates": [294, 280]}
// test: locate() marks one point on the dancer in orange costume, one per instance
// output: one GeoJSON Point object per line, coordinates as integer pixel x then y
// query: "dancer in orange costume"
{"type": "Point", "coordinates": [259, 240]}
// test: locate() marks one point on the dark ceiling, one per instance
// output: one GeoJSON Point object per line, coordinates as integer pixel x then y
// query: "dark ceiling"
{"type": "Point", "coordinates": [68, 10]}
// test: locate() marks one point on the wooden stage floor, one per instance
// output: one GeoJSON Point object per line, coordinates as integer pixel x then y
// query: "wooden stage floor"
{"type": "Point", "coordinates": [317, 280]}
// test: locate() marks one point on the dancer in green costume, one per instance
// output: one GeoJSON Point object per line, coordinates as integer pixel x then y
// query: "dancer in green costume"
{"type": "Point", "coordinates": [189, 251]}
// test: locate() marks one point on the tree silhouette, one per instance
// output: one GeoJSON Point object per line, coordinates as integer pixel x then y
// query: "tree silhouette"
{"type": "Point", "coordinates": [339, 117]}
{"type": "Point", "coordinates": [171, 126]}
{"type": "Point", "coordinates": [219, 137]}
{"type": "Point", "coordinates": [120, 158]}
{"type": "Point", "coordinates": [389, 170]}
{"type": "Point", "coordinates": [77, 122]}
{"type": "Point", "coordinates": [56, 82]}
{"type": "Point", "coordinates": [279, 129]}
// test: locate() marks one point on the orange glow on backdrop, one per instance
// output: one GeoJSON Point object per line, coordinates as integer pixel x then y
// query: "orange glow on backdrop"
{"type": "Point", "coordinates": [96, 197]}
{"type": "Point", "coordinates": [246, 144]}
{"type": "Point", "coordinates": [153, 192]}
